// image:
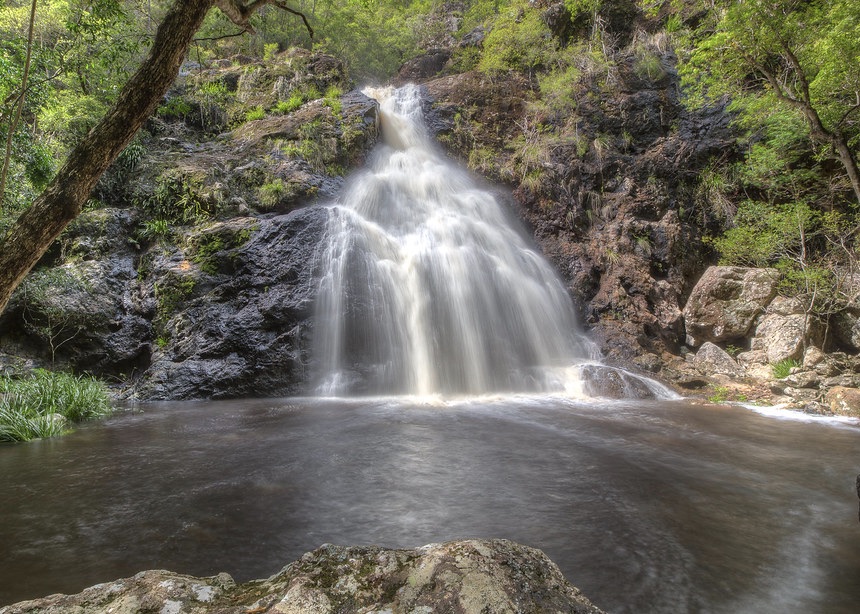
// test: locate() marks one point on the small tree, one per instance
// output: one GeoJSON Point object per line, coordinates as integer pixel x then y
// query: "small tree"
{"type": "Point", "coordinates": [61, 202]}
{"type": "Point", "coordinates": [769, 56]}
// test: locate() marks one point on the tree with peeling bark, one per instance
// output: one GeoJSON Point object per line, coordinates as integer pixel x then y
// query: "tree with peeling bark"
{"type": "Point", "coordinates": [38, 226]}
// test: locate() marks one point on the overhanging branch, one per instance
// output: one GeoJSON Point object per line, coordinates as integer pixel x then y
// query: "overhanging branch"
{"type": "Point", "coordinates": [241, 14]}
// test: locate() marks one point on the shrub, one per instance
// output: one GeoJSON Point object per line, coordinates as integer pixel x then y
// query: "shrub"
{"type": "Point", "coordinates": [176, 199]}
{"type": "Point", "coordinates": [782, 369]}
{"type": "Point", "coordinates": [43, 403]}
{"type": "Point", "coordinates": [255, 114]}
{"type": "Point", "coordinates": [519, 40]}
{"type": "Point", "coordinates": [720, 394]}
{"type": "Point", "coordinates": [292, 103]}
{"type": "Point", "coordinates": [271, 193]}
{"type": "Point", "coordinates": [154, 229]}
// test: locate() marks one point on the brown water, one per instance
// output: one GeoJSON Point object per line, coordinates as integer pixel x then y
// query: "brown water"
{"type": "Point", "coordinates": [646, 506]}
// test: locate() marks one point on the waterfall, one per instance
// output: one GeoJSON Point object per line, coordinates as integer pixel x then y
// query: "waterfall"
{"type": "Point", "coordinates": [427, 287]}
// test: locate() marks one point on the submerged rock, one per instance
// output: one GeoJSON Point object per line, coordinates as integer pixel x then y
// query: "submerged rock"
{"type": "Point", "coordinates": [465, 577]}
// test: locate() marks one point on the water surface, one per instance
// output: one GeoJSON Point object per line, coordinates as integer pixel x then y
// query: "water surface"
{"type": "Point", "coordinates": [646, 506]}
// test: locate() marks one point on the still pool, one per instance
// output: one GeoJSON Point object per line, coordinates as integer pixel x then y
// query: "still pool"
{"type": "Point", "coordinates": [647, 506]}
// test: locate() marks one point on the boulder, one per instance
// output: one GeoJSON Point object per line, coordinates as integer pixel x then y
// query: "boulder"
{"type": "Point", "coordinates": [84, 314]}
{"type": "Point", "coordinates": [457, 577]}
{"type": "Point", "coordinates": [712, 359]}
{"type": "Point", "coordinates": [804, 379]}
{"type": "Point", "coordinates": [846, 329]}
{"type": "Point", "coordinates": [814, 358]}
{"type": "Point", "coordinates": [843, 401]}
{"type": "Point", "coordinates": [785, 331]}
{"type": "Point", "coordinates": [424, 66]}
{"type": "Point", "coordinates": [613, 383]}
{"type": "Point", "coordinates": [726, 301]}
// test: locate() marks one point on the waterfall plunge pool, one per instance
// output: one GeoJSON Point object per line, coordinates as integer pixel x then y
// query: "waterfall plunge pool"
{"type": "Point", "coordinates": [647, 506]}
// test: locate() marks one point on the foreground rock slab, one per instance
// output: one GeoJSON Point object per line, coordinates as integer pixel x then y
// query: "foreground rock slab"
{"type": "Point", "coordinates": [471, 576]}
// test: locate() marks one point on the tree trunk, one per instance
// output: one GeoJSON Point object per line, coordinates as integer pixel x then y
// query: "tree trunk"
{"type": "Point", "coordinates": [36, 228]}
{"type": "Point", "coordinates": [13, 123]}
{"type": "Point", "coordinates": [850, 164]}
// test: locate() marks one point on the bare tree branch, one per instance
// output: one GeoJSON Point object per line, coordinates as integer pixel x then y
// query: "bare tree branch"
{"type": "Point", "coordinates": [241, 14]}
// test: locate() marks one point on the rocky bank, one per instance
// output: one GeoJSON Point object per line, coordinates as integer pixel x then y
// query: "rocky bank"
{"type": "Point", "coordinates": [465, 577]}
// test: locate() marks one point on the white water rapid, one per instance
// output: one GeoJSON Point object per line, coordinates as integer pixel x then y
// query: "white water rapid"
{"type": "Point", "coordinates": [427, 288]}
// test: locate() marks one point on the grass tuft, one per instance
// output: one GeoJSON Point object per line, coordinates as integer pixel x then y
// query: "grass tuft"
{"type": "Point", "coordinates": [782, 369]}
{"type": "Point", "coordinates": [44, 404]}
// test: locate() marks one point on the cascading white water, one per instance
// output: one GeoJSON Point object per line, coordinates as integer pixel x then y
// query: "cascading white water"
{"type": "Point", "coordinates": [426, 286]}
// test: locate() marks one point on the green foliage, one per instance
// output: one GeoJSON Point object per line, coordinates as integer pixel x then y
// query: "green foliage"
{"type": "Point", "coordinates": [204, 251]}
{"type": "Point", "coordinates": [782, 369]}
{"type": "Point", "coordinates": [733, 350]}
{"type": "Point", "coordinates": [791, 70]}
{"type": "Point", "coordinates": [176, 107]}
{"type": "Point", "coordinates": [766, 234]}
{"type": "Point", "coordinates": [520, 40]}
{"type": "Point", "coordinates": [647, 65]}
{"type": "Point", "coordinates": [177, 199]}
{"type": "Point", "coordinates": [587, 8]}
{"type": "Point", "coordinates": [332, 99]}
{"type": "Point", "coordinates": [292, 103]}
{"type": "Point", "coordinates": [720, 394]}
{"type": "Point", "coordinates": [170, 293]}
{"type": "Point", "coordinates": [43, 403]}
{"type": "Point", "coordinates": [84, 52]}
{"type": "Point", "coordinates": [255, 114]}
{"type": "Point", "coordinates": [154, 229]}
{"type": "Point", "coordinates": [69, 116]}
{"type": "Point", "coordinates": [206, 248]}
{"type": "Point", "coordinates": [558, 89]}
{"type": "Point", "coordinates": [373, 38]}
{"type": "Point", "coordinates": [271, 194]}
{"type": "Point", "coordinates": [270, 50]}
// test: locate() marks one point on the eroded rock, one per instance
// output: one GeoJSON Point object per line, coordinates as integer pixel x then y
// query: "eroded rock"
{"type": "Point", "coordinates": [725, 302]}
{"type": "Point", "coordinates": [843, 401]}
{"type": "Point", "coordinates": [713, 359]}
{"type": "Point", "coordinates": [462, 577]}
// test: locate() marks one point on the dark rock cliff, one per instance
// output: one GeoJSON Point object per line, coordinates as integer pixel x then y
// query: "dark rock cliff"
{"type": "Point", "coordinates": [617, 210]}
{"type": "Point", "coordinates": [192, 275]}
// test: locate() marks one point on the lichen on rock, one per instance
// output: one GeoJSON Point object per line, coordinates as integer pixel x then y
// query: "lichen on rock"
{"type": "Point", "coordinates": [460, 577]}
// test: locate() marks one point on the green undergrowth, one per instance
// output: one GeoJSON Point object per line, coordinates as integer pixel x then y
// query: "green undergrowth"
{"type": "Point", "coordinates": [46, 404]}
{"type": "Point", "coordinates": [782, 369]}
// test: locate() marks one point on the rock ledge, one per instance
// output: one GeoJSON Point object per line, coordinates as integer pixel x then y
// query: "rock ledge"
{"type": "Point", "coordinates": [465, 577]}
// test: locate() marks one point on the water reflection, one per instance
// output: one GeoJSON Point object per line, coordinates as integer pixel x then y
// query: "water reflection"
{"type": "Point", "coordinates": [646, 507]}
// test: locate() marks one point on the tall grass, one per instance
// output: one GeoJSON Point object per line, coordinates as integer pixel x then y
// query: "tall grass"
{"type": "Point", "coordinates": [45, 404]}
{"type": "Point", "coordinates": [782, 369]}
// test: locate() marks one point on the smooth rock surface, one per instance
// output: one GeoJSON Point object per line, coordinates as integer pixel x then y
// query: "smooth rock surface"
{"type": "Point", "coordinates": [725, 302]}
{"type": "Point", "coordinates": [461, 577]}
{"type": "Point", "coordinates": [713, 359]}
{"type": "Point", "coordinates": [843, 401]}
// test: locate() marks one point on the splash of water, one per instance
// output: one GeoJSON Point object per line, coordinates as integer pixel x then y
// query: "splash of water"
{"type": "Point", "coordinates": [428, 288]}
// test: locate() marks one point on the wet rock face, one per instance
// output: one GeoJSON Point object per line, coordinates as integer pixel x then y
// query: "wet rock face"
{"type": "Point", "coordinates": [243, 327]}
{"type": "Point", "coordinates": [197, 281]}
{"type": "Point", "coordinates": [87, 313]}
{"type": "Point", "coordinates": [611, 203]}
{"type": "Point", "coordinates": [465, 577]}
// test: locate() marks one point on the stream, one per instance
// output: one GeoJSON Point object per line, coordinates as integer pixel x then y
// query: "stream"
{"type": "Point", "coordinates": [647, 506]}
